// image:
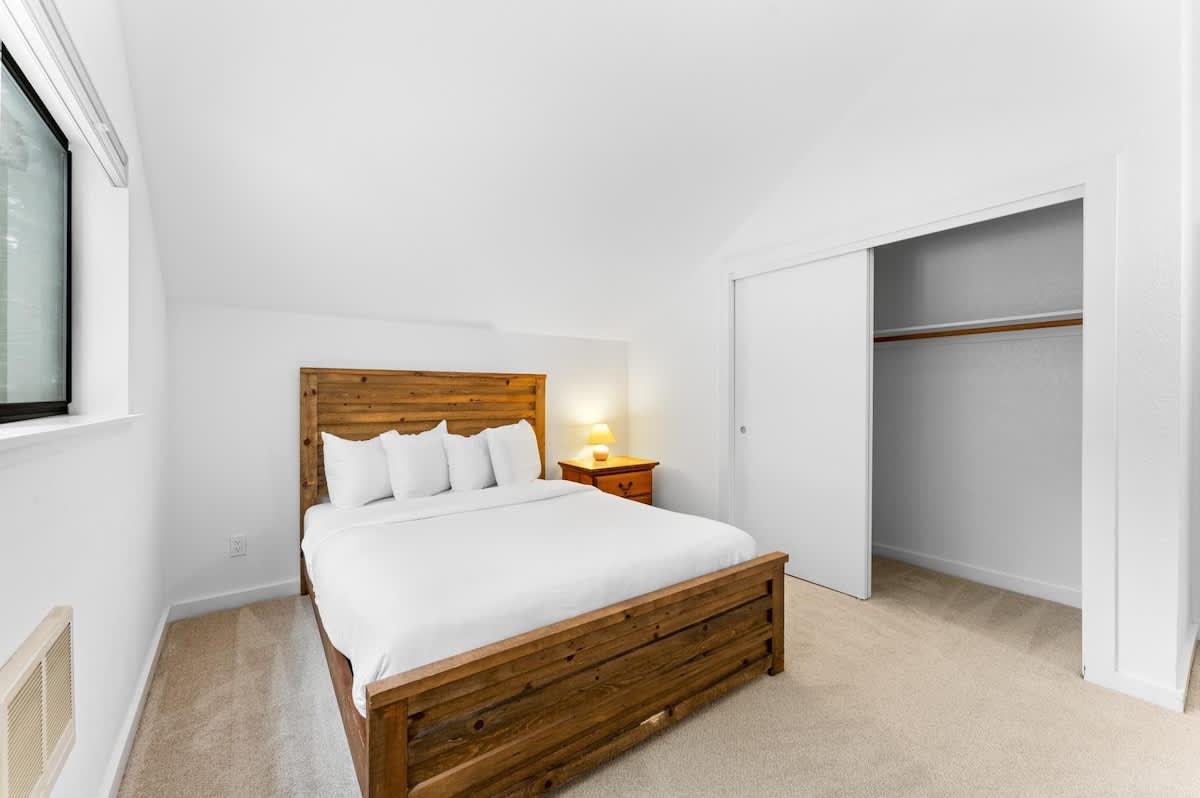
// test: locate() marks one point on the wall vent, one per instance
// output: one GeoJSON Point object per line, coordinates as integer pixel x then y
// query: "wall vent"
{"type": "Point", "coordinates": [37, 709]}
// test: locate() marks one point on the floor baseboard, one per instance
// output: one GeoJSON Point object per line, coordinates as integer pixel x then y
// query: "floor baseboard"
{"type": "Point", "coordinates": [226, 601]}
{"type": "Point", "coordinates": [1171, 698]}
{"type": "Point", "coordinates": [1187, 658]}
{"type": "Point", "coordinates": [987, 576]}
{"type": "Point", "coordinates": [120, 756]}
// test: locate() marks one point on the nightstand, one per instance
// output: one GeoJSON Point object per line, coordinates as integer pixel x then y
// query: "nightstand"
{"type": "Point", "coordinates": [621, 476]}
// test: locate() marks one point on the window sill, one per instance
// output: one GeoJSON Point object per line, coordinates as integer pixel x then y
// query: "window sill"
{"type": "Point", "coordinates": [19, 434]}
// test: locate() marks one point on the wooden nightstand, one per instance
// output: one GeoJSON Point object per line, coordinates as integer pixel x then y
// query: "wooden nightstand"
{"type": "Point", "coordinates": [620, 476]}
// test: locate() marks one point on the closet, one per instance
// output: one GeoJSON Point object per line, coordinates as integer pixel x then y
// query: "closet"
{"type": "Point", "coordinates": [941, 425]}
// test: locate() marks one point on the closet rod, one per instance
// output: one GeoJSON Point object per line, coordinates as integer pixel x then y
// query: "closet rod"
{"type": "Point", "coordinates": [981, 329]}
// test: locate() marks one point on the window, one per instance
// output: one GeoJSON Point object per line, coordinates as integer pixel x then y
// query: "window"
{"type": "Point", "coordinates": [35, 253]}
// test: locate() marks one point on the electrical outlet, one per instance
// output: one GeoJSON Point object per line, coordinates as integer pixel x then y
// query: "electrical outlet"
{"type": "Point", "coordinates": [237, 546]}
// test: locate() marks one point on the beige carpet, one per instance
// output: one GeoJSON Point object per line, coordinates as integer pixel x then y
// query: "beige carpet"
{"type": "Point", "coordinates": [934, 687]}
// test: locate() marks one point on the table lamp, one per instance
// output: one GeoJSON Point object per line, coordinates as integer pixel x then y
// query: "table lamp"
{"type": "Point", "coordinates": [597, 438]}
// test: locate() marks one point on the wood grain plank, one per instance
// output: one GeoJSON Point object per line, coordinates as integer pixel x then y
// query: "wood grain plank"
{"type": "Point", "coordinates": [454, 751]}
{"type": "Point", "coordinates": [331, 410]}
{"type": "Point", "coordinates": [523, 756]}
{"type": "Point", "coordinates": [387, 754]}
{"type": "Point", "coordinates": [353, 723]}
{"type": "Point", "coordinates": [455, 742]}
{"type": "Point", "coordinates": [486, 688]}
{"type": "Point", "coordinates": [310, 482]}
{"type": "Point", "coordinates": [561, 769]}
{"type": "Point", "coordinates": [539, 418]}
{"type": "Point", "coordinates": [477, 382]}
{"type": "Point", "coordinates": [779, 637]}
{"type": "Point", "coordinates": [506, 413]}
{"type": "Point", "coordinates": [407, 425]}
{"type": "Point", "coordinates": [336, 393]}
{"type": "Point", "coordinates": [633, 483]}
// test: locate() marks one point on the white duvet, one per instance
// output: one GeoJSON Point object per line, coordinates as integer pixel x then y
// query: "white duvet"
{"type": "Point", "coordinates": [404, 583]}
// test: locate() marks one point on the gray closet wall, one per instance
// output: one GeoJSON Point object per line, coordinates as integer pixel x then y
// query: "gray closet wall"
{"type": "Point", "coordinates": [977, 439]}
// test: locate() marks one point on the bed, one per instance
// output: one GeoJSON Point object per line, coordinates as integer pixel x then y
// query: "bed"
{"type": "Point", "coordinates": [549, 626]}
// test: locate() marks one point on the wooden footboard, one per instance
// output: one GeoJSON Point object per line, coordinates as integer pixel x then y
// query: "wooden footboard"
{"type": "Point", "coordinates": [527, 714]}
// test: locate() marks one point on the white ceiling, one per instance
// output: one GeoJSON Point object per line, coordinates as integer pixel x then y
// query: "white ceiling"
{"type": "Point", "coordinates": [545, 166]}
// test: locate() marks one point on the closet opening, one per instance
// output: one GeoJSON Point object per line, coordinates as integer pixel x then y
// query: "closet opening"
{"type": "Point", "coordinates": [976, 451]}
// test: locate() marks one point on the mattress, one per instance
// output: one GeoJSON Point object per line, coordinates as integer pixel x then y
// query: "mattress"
{"type": "Point", "coordinates": [402, 583]}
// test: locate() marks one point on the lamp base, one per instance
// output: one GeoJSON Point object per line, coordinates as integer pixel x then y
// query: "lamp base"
{"type": "Point", "coordinates": [600, 453]}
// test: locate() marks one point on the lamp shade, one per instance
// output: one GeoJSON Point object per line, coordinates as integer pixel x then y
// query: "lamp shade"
{"type": "Point", "coordinates": [600, 434]}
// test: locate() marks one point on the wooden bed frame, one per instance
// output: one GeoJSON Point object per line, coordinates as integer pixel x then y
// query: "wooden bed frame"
{"type": "Point", "coordinates": [524, 715]}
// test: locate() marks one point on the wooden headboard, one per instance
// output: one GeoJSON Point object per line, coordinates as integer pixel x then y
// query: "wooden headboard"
{"type": "Point", "coordinates": [360, 403]}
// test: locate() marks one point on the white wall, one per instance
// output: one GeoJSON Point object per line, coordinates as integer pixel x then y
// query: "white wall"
{"type": "Point", "coordinates": [977, 458]}
{"type": "Point", "coordinates": [1191, 301]}
{"type": "Point", "coordinates": [986, 96]}
{"type": "Point", "coordinates": [1024, 263]}
{"type": "Point", "coordinates": [526, 150]}
{"type": "Point", "coordinates": [234, 388]}
{"type": "Point", "coordinates": [82, 516]}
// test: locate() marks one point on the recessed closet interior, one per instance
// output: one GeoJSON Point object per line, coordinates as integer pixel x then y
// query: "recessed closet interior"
{"type": "Point", "coordinates": [977, 399]}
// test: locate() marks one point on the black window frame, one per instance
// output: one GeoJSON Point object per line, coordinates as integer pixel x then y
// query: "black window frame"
{"type": "Point", "coordinates": [23, 411]}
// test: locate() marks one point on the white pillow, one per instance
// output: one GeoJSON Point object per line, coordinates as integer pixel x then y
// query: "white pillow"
{"type": "Point", "coordinates": [417, 463]}
{"type": "Point", "coordinates": [470, 462]}
{"type": "Point", "coordinates": [514, 452]}
{"type": "Point", "coordinates": [356, 471]}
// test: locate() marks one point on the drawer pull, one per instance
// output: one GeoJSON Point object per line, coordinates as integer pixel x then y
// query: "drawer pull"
{"type": "Point", "coordinates": [625, 486]}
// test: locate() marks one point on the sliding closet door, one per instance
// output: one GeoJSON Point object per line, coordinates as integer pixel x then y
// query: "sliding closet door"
{"type": "Point", "coordinates": [802, 411]}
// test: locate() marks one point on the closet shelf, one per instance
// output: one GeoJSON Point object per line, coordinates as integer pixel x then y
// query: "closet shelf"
{"type": "Point", "coordinates": [1031, 321]}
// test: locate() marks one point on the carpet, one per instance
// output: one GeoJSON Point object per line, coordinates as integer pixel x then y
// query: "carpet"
{"type": "Point", "coordinates": [935, 687]}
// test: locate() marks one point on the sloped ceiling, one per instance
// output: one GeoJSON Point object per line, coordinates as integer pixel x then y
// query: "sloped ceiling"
{"type": "Point", "coordinates": [541, 166]}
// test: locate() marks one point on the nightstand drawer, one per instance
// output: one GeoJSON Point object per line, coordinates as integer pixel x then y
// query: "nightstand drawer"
{"type": "Point", "coordinates": [631, 483]}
